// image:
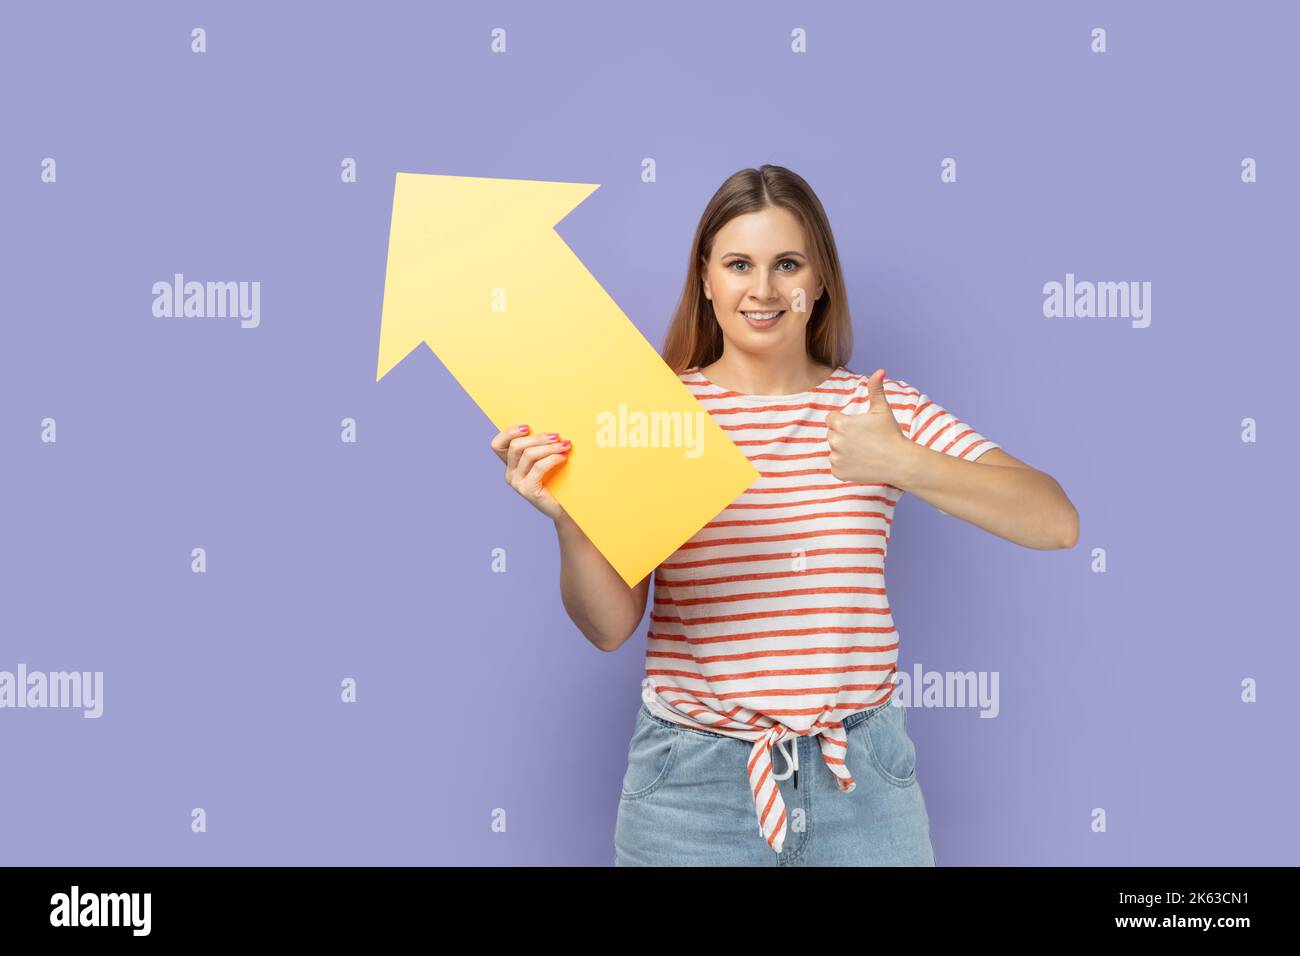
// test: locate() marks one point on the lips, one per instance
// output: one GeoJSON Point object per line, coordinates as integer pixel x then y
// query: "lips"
{"type": "Point", "coordinates": [763, 323]}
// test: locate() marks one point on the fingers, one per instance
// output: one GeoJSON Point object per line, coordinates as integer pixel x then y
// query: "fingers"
{"type": "Point", "coordinates": [523, 453]}
{"type": "Point", "coordinates": [532, 479]}
{"type": "Point", "coordinates": [501, 441]}
{"type": "Point", "coordinates": [509, 444]}
{"type": "Point", "coordinates": [876, 390]}
{"type": "Point", "coordinates": [529, 458]}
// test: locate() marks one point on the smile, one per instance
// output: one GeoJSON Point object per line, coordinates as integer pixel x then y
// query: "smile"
{"type": "Point", "coordinates": [763, 320]}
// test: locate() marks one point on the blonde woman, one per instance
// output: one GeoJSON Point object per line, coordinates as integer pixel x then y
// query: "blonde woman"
{"type": "Point", "coordinates": [767, 732]}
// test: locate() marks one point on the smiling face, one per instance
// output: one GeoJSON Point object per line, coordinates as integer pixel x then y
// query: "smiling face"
{"type": "Point", "coordinates": [758, 265]}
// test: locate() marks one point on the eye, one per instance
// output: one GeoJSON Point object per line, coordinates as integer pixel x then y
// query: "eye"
{"type": "Point", "coordinates": [742, 262]}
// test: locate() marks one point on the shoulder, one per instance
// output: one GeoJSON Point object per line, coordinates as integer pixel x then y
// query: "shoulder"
{"type": "Point", "coordinates": [902, 394]}
{"type": "Point", "coordinates": [846, 390]}
{"type": "Point", "coordinates": [899, 392]}
{"type": "Point", "coordinates": [860, 380]}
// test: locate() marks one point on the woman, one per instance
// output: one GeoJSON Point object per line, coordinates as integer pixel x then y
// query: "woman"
{"type": "Point", "coordinates": [771, 627]}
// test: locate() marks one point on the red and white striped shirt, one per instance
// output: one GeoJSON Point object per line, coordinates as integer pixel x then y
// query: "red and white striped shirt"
{"type": "Point", "coordinates": [773, 620]}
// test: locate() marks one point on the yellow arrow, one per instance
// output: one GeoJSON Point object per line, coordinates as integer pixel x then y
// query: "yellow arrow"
{"type": "Point", "coordinates": [477, 271]}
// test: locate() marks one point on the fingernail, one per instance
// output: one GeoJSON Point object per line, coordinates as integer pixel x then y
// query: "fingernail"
{"type": "Point", "coordinates": [552, 436]}
{"type": "Point", "coordinates": [566, 443]}
{"type": "Point", "coordinates": [523, 428]}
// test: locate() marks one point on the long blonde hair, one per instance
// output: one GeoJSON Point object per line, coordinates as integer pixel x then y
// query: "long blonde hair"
{"type": "Point", "coordinates": [694, 338]}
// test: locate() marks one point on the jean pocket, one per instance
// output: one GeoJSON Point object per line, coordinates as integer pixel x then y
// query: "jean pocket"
{"type": "Point", "coordinates": [888, 746]}
{"type": "Point", "coordinates": [649, 757]}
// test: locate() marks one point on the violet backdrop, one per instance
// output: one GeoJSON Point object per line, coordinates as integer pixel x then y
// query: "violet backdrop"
{"type": "Point", "coordinates": [1119, 690]}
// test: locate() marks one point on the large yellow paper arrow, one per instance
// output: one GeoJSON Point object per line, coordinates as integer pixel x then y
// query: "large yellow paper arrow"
{"type": "Point", "coordinates": [477, 271]}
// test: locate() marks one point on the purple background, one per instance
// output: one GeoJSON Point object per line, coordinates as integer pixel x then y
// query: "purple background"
{"type": "Point", "coordinates": [325, 560]}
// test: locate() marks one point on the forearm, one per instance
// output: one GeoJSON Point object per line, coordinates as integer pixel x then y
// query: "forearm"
{"type": "Point", "coordinates": [1022, 505]}
{"type": "Point", "coordinates": [594, 594]}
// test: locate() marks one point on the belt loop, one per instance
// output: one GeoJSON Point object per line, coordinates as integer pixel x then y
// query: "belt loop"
{"type": "Point", "coordinates": [791, 764]}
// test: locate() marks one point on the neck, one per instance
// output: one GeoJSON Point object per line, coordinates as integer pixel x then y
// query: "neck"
{"type": "Point", "coordinates": [758, 376]}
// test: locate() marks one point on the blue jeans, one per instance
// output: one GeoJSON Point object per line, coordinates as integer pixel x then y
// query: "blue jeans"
{"type": "Point", "coordinates": [686, 800]}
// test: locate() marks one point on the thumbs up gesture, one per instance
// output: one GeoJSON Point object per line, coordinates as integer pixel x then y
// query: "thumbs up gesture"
{"type": "Point", "coordinates": [868, 447]}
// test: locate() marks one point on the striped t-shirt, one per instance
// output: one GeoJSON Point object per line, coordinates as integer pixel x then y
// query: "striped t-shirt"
{"type": "Point", "coordinates": [772, 620]}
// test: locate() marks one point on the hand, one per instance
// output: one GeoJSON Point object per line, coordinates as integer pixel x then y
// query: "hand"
{"type": "Point", "coordinates": [528, 459]}
{"type": "Point", "coordinates": [868, 447]}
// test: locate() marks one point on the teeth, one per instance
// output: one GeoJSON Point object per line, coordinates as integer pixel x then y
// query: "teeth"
{"type": "Point", "coordinates": [760, 316]}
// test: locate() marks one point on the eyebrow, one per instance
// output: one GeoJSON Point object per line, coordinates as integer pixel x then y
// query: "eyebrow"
{"type": "Point", "coordinates": [790, 252]}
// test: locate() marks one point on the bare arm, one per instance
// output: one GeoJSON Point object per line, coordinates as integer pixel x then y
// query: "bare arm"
{"type": "Point", "coordinates": [595, 596]}
{"type": "Point", "coordinates": [998, 493]}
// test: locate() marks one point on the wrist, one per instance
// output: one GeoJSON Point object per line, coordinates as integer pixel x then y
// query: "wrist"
{"type": "Point", "coordinates": [909, 463]}
{"type": "Point", "coordinates": [565, 525]}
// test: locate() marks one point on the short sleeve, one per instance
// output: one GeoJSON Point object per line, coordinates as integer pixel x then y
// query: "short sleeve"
{"type": "Point", "coordinates": [930, 424]}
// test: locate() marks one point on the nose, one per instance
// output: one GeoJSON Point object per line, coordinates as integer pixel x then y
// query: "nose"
{"type": "Point", "coordinates": [763, 287]}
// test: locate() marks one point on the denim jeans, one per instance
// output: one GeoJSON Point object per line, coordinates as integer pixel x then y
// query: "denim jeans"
{"type": "Point", "coordinates": [686, 800]}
